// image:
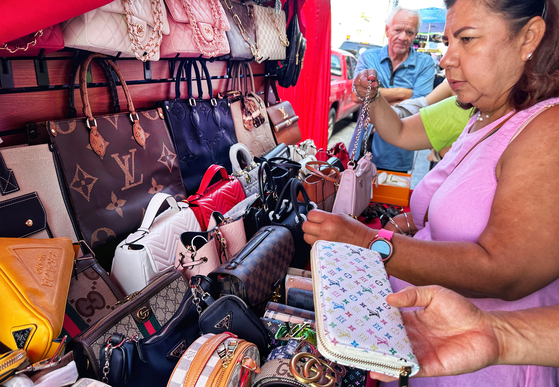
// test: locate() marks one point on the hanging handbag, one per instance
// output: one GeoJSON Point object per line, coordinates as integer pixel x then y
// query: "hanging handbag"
{"type": "Point", "coordinates": [288, 70]}
{"type": "Point", "coordinates": [141, 314]}
{"type": "Point", "coordinates": [197, 29]}
{"type": "Point", "coordinates": [144, 254]}
{"type": "Point", "coordinates": [135, 361]}
{"type": "Point", "coordinates": [283, 118]}
{"type": "Point", "coordinates": [221, 360]}
{"type": "Point", "coordinates": [290, 213]}
{"type": "Point", "coordinates": [112, 165]}
{"type": "Point", "coordinates": [44, 41]}
{"type": "Point", "coordinates": [271, 39]}
{"type": "Point", "coordinates": [257, 213]}
{"type": "Point", "coordinates": [202, 129]}
{"type": "Point", "coordinates": [252, 126]}
{"type": "Point", "coordinates": [220, 196]}
{"type": "Point", "coordinates": [255, 272]}
{"type": "Point", "coordinates": [387, 348]}
{"type": "Point", "coordinates": [127, 28]}
{"type": "Point", "coordinates": [31, 196]}
{"type": "Point", "coordinates": [356, 185]}
{"type": "Point", "coordinates": [201, 252]}
{"type": "Point", "coordinates": [322, 184]}
{"type": "Point", "coordinates": [241, 36]}
{"type": "Point", "coordinates": [34, 282]}
{"type": "Point", "coordinates": [248, 174]}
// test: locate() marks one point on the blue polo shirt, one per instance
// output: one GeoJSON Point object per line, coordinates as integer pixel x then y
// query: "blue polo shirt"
{"type": "Point", "coordinates": [417, 72]}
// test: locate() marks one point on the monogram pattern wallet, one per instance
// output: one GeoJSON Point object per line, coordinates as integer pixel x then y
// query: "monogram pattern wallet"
{"type": "Point", "coordinates": [357, 327]}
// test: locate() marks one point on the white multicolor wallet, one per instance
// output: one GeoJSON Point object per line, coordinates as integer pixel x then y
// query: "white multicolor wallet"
{"type": "Point", "coordinates": [359, 328]}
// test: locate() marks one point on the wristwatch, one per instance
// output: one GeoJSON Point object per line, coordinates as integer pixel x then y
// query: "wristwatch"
{"type": "Point", "coordinates": [382, 244]}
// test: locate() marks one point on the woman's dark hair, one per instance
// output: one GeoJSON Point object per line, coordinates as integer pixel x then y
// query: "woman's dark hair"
{"type": "Point", "coordinates": [540, 79]}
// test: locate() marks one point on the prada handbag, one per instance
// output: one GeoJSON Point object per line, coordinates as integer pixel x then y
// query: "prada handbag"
{"type": "Point", "coordinates": [128, 28]}
{"type": "Point", "coordinates": [322, 184]}
{"type": "Point", "coordinates": [221, 360]}
{"type": "Point", "coordinates": [149, 361]}
{"type": "Point", "coordinates": [152, 248]}
{"type": "Point", "coordinates": [358, 324]}
{"type": "Point", "coordinates": [197, 29]}
{"type": "Point", "coordinates": [252, 126]}
{"type": "Point", "coordinates": [291, 213]}
{"type": "Point", "coordinates": [283, 119]}
{"type": "Point", "coordinates": [201, 252]}
{"type": "Point", "coordinates": [202, 128]}
{"type": "Point", "coordinates": [248, 174]}
{"type": "Point", "coordinates": [220, 196]}
{"type": "Point", "coordinates": [356, 187]}
{"type": "Point", "coordinates": [112, 166]}
{"type": "Point", "coordinates": [140, 314]}
{"type": "Point", "coordinates": [255, 272]}
{"type": "Point", "coordinates": [32, 197]}
{"type": "Point", "coordinates": [271, 38]}
{"type": "Point", "coordinates": [46, 40]}
{"type": "Point", "coordinates": [241, 36]}
{"type": "Point", "coordinates": [34, 282]}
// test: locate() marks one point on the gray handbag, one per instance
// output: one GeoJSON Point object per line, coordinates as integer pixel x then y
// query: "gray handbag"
{"type": "Point", "coordinates": [241, 36]}
{"type": "Point", "coordinates": [248, 176]}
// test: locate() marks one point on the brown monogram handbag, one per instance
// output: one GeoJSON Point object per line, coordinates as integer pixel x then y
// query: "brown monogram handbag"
{"type": "Point", "coordinates": [112, 166]}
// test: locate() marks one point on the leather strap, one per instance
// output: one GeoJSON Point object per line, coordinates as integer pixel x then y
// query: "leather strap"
{"type": "Point", "coordinates": [151, 213]}
{"type": "Point", "coordinates": [203, 356]}
{"type": "Point", "coordinates": [8, 182]}
{"type": "Point", "coordinates": [318, 172]}
{"type": "Point", "coordinates": [209, 175]}
{"type": "Point", "coordinates": [265, 178]}
{"type": "Point", "coordinates": [271, 82]}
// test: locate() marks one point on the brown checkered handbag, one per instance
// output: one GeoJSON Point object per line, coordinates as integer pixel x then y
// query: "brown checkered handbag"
{"type": "Point", "coordinates": [254, 273]}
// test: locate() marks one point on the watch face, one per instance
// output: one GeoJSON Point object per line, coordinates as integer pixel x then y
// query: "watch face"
{"type": "Point", "coordinates": [383, 247]}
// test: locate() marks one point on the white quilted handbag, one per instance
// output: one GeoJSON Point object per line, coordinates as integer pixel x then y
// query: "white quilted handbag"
{"type": "Point", "coordinates": [248, 176]}
{"type": "Point", "coordinates": [152, 248]}
{"type": "Point", "coordinates": [129, 27]}
{"type": "Point", "coordinates": [271, 39]}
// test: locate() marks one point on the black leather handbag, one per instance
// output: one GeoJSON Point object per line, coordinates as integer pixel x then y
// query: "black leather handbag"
{"type": "Point", "coordinates": [257, 213]}
{"type": "Point", "coordinates": [283, 170]}
{"type": "Point", "coordinates": [291, 213]}
{"type": "Point", "coordinates": [134, 361]}
{"type": "Point", "coordinates": [202, 128]}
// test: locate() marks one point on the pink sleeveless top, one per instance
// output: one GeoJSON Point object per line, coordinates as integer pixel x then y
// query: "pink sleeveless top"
{"type": "Point", "coordinates": [459, 205]}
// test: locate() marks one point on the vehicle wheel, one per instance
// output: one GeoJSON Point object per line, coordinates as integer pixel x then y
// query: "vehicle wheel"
{"type": "Point", "coordinates": [331, 121]}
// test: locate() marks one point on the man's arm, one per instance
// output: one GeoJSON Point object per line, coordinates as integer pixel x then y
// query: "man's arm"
{"type": "Point", "coordinates": [396, 94]}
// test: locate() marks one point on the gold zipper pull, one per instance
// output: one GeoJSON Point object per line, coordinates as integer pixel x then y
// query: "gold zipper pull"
{"type": "Point", "coordinates": [404, 376]}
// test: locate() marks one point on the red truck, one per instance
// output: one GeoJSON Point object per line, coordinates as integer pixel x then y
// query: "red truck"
{"type": "Point", "coordinates": [341, 79]}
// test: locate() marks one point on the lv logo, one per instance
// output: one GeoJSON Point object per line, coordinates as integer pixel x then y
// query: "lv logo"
{"type": "Point", "coordinates": [128, 169]}
{"type": "Point", "coordinates": [282, 110]}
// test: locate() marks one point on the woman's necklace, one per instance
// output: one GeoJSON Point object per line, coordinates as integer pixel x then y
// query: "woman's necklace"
{"type": "Point", "coordinates": [480, 117]}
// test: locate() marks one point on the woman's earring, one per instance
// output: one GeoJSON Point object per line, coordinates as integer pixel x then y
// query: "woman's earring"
{"type": "Point", "coordinates": [529, 56]}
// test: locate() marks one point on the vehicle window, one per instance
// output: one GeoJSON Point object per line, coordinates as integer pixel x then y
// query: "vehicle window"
{"type": "Point", "coordinates": [335, 66]}
{"type": "Point", "coordinates": [350, 64]}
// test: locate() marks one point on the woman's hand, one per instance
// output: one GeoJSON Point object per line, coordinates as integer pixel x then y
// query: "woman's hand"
{"type": "Point", "coordinates": [361, 84]}
{"type": "Point", "coordinates": [321, 225]}
{"type": "Point", "coordinates": [450, 335]}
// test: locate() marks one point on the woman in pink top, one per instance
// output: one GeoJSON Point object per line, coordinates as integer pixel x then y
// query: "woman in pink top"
{"type": "Point", "coordinates": [485, 219]}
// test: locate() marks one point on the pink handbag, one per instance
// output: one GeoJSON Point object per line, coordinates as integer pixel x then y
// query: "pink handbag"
{"type": "Point", "coordinates": [197, 28]}
{"type": "Point", "coordinates": [49, 39]}
{"type": "Point", "coordinates": [356, 187]}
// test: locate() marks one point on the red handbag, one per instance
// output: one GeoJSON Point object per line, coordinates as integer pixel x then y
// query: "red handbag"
{"type": "Point", "coordinates": [220, 196]}
{"type": "Point", "coordinates": [49, 39]}
{"type": "Point", "coordinates": [339, 150]}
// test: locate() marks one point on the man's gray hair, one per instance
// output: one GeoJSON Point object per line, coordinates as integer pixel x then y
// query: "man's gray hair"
{"type": "Point", "coordinates": [397, 9]}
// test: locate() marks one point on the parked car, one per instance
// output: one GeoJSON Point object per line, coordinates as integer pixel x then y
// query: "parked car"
{"type": "Point", "coordinates": [357, 48]}
{"type": "Point", "coordinates": [341, 80]}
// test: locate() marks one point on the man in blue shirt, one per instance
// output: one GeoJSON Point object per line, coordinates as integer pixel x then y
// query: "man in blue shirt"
{"type": "Point", "coordinates": [403, 73]}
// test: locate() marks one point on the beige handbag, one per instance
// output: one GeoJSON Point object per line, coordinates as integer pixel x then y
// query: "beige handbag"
{"type": "Point", "coordinates": [129, 27]}
{"type": "Point", "coordinates": [271, 37]}
{"type": "Point", "coordinates": [248, 110]}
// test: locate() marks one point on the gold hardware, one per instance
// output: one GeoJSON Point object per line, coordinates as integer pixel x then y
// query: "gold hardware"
{"type": "Point", "coordinates": [143, 313]}
{"type": "Point", "coordinates": [282, 110]}
{"type": "Point", "coordinates": [276, 128]}
{"type": "Point", "coordinates": [29, 223]}
{"type": "Point", "coordinates": [289, 122]}
{"type": "Point", "coordinates": [128, 298]}
{"type": "Point", "coordinates": [33, 42]}
{"type": "Point", "coordinates": [314, 365]}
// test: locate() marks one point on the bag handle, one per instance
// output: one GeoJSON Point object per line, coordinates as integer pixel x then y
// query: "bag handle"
{"type": "Point", "coordinates": [31, 43]}
{"type": "Point", "coordinates": [318, 172]}
{"type": "Point", "coordinates": [151, 213]}
{"type": "Point", "coordinates": [271, 82]}
{"type": "Point", "coordinates": [218, 28]}
{"type": "Point", "coordinates": [266, 178]}
{"type": "Point", "coordinates": [72, 112]}
{"type": "Point", "coordinates": [213, 170]}
{"type": "Point", "coordinates": [249, 75]}
{"type": "Point", "coordinates": [284, 163]}
{"type": "Point", "coordinates": [233, 156]}
{"type": "Point", "coordinates": [97, 142]}
{"type": "Point", "coordinates": [289, 198]}
{"type": "Point", "coordinates": [151, 48]}
{"type": "Point", "coordinates": [188, 74]}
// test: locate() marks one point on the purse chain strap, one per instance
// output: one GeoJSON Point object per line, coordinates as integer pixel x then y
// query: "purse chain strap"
{"type": "Point", "coordinates": [136, 31]}
{"type": "Point", "coordinates": [363, 121]}
{"type": "Point", "coordinates": [243, 31]}
{"type": "Point", "coordinates": [217, 30]}
{"type": "Point", "coordinates": [32, 43]}
{"type": "Point", "coordinates": [282, 37]}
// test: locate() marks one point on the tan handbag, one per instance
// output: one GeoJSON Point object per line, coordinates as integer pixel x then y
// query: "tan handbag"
{"type": "Point", "coordinates": [34, 283]}
{"type": "Point", "coordinates": [248, 110]}
{"type": "Point", "coordinates": [271, 37]}
{"type": "Point", "coordinates": [322, 183]}
{"type": "Point", "coordinates": [129, 27]}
